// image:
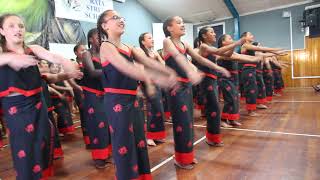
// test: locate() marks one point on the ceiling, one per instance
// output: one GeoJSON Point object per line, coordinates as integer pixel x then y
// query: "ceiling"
{"type": "Point", "coordinates": [197, 11]}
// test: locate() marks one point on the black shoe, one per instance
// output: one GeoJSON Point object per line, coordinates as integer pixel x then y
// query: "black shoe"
{"type": "Point", "coordinates": [215, 144]}
{"type": "Point", "coordinates": [100, 163]}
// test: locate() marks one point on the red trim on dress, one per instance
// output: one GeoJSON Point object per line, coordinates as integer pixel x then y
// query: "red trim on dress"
{"type": "Point", "coordinates": [128, 53]}
{"type": "Point", "coordinates": [231, 117]}
{"type": "Point", "coordinates": [234, 117]}
{"type": "Point", "coordinates": [96, 59]}
{"type": "Point", "coordinates": [95, 91]}
{"type": "Point", "coordinates": [101, 153]}
{"type": "Point", "coordinates": [185, 80]}
{"type": "Point", "coordinates": [106, 63]}
{"type": "Point", "coordinates": [47, 173]}
{"type": "Point", "coordinates": [184, 158]}
{"type": "Point", "coordinates": [167, 114]}
{"type": "Point", "coordinates": [268, 70]}
{"type": "Point", "coordinates": [86, 140]}
{"type": "Point", "coordinates": [250, 65]}
{"type": "Point", "coordinates": [234, 72]}
{"type": "Point", "coordinates": [216, 138]}
{"type": "Point", "coordinates": [211, 76]}
{"type": "Point", "coordinates": [251, 107]}
{"type": "Point", "coordinates": [26, 93]}
{"type": "Point", "coordinates": [261, 101]}
{"type": "Point", "coordinates": [269, 98]}
{"type": "Point", "coordinates": [50, 109]}
{"type": "Point", "coordinates": [57, 153]}
{"type": "Point", "coordinates": [156, 135]}
{"type": "Point", "coordinates": [145, 177]}
{"type": "Point", "coordinates": [120, 91]}
{"type": "Point", "coordinates": [166, 57]}
{"type": "Point", "coordinates": [70, 129]}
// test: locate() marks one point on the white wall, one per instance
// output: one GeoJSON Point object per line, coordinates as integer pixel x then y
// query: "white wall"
{"type": "Point", "coordinates": [158, 35]}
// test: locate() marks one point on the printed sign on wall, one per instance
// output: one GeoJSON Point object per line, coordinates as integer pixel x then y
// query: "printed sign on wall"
{"type": "Point", "coordinates": [82, 10]}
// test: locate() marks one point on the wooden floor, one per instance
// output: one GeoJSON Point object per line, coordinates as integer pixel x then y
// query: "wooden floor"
{"type": "Point", "coordinates": [282, 144]}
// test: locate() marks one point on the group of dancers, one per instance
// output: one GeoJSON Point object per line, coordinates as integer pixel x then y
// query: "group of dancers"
{"type": "Point", "coordinates": [108, 83]}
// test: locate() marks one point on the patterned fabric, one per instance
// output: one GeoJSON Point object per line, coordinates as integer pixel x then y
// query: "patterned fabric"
{"type": "Point", "coordinates": [212, 109]}
{"type": "Point", "coordinates": [64, 119]}
{"type": "Point", "coordinates": [97, 126]}
{"type": "Point", "coordinates": [155, 117]}
{"type": "Point", "coordinates": [268, 79]}
{"type": "Point", "coordinates": [31, 136]}
{"type": "Point", "coordinates": [182, 117]}
{"type": "Point", "coordinates": [250, 88]}
{"type": "Point", "coordinates": [126, 126]}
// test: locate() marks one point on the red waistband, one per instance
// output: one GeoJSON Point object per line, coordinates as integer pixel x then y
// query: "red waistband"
{"type": "Point", "coordinates": [211, 76]}
{"type": "Point", "coordinates": [250, 65]}
{"type": "Point", "coordinates": [95, 91]}
{"type": "Point", "coordinates": [185, 80]}
{"type": "Point", "coordinates": [267, 70]}
{"type": "Point", "coordinates": [234, 72]}
{"type": "Point", "coordinates": [51, 108]}
{"type": "Point", "coordinates": [120, 91]}
{"type": "Point", "coordinates": [56, 97]}
{"type": "Point", "coordinates": [259, 71]}
{"type": "Point", "coordinates": [26, 93]}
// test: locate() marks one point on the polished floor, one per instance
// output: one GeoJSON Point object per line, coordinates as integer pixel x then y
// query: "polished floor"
{"type": "Point", "coordinates": [281, 144]}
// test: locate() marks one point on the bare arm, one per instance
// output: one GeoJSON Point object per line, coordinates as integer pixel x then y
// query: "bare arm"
{"type": "Point", "coordinates": [17, 61]}
{"type": "Point", "coordinates": [42, 53]}
{"type": "Point", "coordinates": [74, 85]}
{"type": "Point", "coordinates": [151, 63]}
{"type": "Point", "coordinates": [223, 51]}
{"type": "Point", "coordinates": [159, 58]}
{"type": "Point", "coordinates": [61, 88]}
{"type": "Point", "coordinates": [205, 62]}
{"type": "Point", "coordinates": [88, 65]}
{"type": "Point", "coordinates": [259, 48]}
{"type": "Point", "coordinates": [182, 61]}
{"type": "Point", "coordinates": [244, 58]}
{"type": "Point", "coordinates": [109, 53]}
{"type": "Point", "coordinates": [53, 78]}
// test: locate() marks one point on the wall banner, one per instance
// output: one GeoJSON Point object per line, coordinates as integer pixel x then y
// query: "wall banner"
{"type": "Point", "coordinates": [82, 10]}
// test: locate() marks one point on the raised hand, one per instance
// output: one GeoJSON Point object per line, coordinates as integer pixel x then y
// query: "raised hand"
{"type": "Point", "coordinates": [22, 61]}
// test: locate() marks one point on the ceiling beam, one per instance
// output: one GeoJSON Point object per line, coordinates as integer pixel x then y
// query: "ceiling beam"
{"type": "Point", "coordinates": [236, 17]}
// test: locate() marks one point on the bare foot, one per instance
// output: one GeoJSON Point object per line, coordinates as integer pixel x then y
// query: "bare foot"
{"type": "Point", "coordinates": [183, 166]}
{"type": "Point", "coordinates": [235, 123]}
{"type": "Point", "coordinates": [252, 114]}
{"type": "Point", "coordinates": [262, 106]}
{"type": "Point", "coordinates": [150, 142]}
{"type": "Point", "coordinates": [225, 124]}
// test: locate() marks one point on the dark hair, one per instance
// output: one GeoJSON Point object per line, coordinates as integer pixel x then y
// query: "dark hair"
{"type": "Point", "coordinates": [2, 38]}
{"type": "Point", "coordinates": [76, 47]}
{"type": "Point", "coordinates": [196, 42]}
{"type": "Point", "coordinates": [90, 35]}
{"type": "Point", "coordinates": [167, 23]}
{"type": "Point", "coordinates": [202, 31]}
{"type": "Point", "coordinates": [141, 38]}
{"type": "Point", "coordinates": [221, 39]}
{"type": "Point", "coordinates": [101, 32]}
{"type": "Point", "coordinates": [244, 34]}
{"type": "Point", "coordinates": [255, 43]}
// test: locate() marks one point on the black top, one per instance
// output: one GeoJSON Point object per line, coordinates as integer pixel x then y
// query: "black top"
{"type": "Point", "coordinates": [46, 92]}
{"type": "Point", "coordinates": [81, 68]}
{"type": "Point", "coordinates": [249, 65]}
{"type": "Point", "coordinates": [26, 81]}
{"type": "Point", "coordinates": [92, 84]}
{"type": "Point", "coordinates": [171, 62]}
{"type": "Point", "coordinates": [208, 71]}
{"type": "Point", "coordinates": [113, 79]}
